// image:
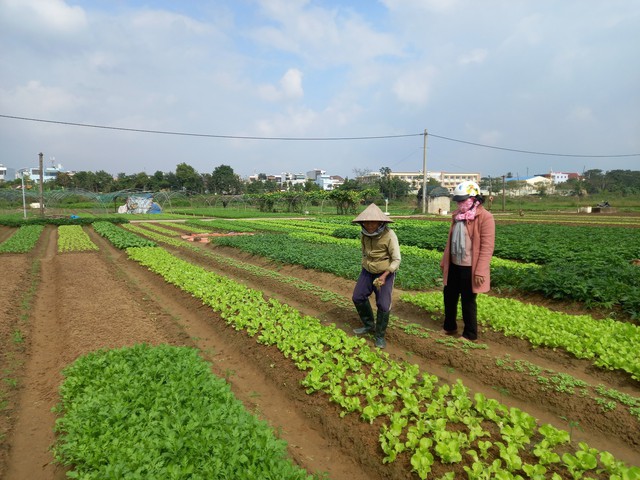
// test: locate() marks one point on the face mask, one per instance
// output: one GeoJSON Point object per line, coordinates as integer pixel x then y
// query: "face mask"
{"type": "Point", "coordinates": [465, 205]}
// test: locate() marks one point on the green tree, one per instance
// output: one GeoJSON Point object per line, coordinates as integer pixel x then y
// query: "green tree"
{"type": "Point", "coordinates": [345, 200]}
{"type": "Point", "coordinates": [311, 186]}
{"type": "Point", "coordinates": [188, 178]}
{"type": "Point", "coordinates": [623, 181]}
{"type": "Point", "coordinates": [140, 181]}
{"type": "Point", "coordinates": [159, 181]}
{"type": "Point", "coordinates": [85, 180]}
{"type": "Point", "coordinates": [103, 181]}
{"type": "Point", "coordinates": [352, 184]}
{"type": "Point", "coordinates": [225, 181]}
{"type": "Point", "coordinates": [594, 181]}
{"type": "Point", "coordinates": [392, 187]}
{"type": "Point", "coordinates": [63, 180]}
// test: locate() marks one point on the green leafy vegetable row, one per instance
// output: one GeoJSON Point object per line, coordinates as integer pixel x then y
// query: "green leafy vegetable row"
{"type": "Point", "coordinates": [84, 220]}
{"type": "Point", "coordinates": [72, 238]}
{"type": "Point", "coordinates": [23, 240]}
{"type": "Point", "coordinates": [610, 344]}
{"type": "Point", "coordinates": [120, 238]}
{"type": "Point", "coordinates": [157, 412]}
{"type": "Point", "coordinates": [341, 260]}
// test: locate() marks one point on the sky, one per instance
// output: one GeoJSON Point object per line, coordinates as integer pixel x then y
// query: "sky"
{"type": "Point", "coordinates": [272, 86]}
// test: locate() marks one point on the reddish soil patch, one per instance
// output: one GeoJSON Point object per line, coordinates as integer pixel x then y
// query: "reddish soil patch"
{"type": "Point", "coordinates": [88, 301]}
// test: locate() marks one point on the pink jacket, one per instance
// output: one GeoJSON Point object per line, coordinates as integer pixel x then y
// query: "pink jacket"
{"type": "Point", "coordinates": [482, 231]}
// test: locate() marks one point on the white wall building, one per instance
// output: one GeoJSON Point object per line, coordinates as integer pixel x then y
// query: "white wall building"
{"type": "Point", "coordinates": [558, 177]}
{"type": "Point", "coordinates": [448, 180]}
{"type": "Point", "coordinates": [50, 173]}
{"type": "Point", "coordinates": [320, 177]}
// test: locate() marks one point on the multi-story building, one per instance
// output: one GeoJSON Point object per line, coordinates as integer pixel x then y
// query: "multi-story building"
{"type": "Point", "coordinates": [324, 180]}
{"type": "Point", "coordinates": [447, 179]}
{"type": "Point", "coordinates": [3, 173]}
{"type": "Point", "coordinates": [50, 173]}
{"type": "Point", "coordinates": [318, 176]}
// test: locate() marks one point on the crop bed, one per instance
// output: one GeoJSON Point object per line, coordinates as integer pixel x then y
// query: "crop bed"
{"type": "Point", "coordinates": [66, 305]}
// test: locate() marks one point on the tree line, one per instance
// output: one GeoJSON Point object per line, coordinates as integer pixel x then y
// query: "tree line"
{"type": "Point", "coordinates": [224, 181]}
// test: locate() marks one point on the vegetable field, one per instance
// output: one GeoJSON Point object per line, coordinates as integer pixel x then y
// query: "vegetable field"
{"type": "Point", "coordinates": [128, 352]}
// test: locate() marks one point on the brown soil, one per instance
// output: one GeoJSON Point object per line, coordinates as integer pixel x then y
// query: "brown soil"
{"type": "Point", "coordinates": [66, 305]}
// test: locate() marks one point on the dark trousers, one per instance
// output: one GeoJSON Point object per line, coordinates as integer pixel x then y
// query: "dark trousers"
{"type": "Point", "coordinates": [459, 287]}
{"type": "Point", "coordinates": [364, 288]}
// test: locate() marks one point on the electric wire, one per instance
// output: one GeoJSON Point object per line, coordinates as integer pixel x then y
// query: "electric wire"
{"type": "Point", "coordinates": [316, 139]}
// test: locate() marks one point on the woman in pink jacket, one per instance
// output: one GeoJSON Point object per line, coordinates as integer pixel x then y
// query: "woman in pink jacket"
{"type": "Point", "coordinates": [466, 261]}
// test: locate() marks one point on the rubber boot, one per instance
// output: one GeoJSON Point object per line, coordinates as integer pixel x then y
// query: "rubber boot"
{"type": "Point", "coordinates": [382, 321]}
{"type": "Point", "coordinates": [366, 315]}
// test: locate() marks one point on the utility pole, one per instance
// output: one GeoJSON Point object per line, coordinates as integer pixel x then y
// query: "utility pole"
{"type": "Point", "coordinates": [41, 186]}
{"type": "Point", "coordinates": [503, 193]}
{"type": "Point", "coordinates": [424, 175]}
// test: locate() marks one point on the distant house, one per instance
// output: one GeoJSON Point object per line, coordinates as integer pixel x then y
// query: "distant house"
{"type": "Point", "coordinates": [438, 200]}
{"type": "Point", "coordinates": [517, 186]}
{"type": "Point", "coordinates": [559, 177]}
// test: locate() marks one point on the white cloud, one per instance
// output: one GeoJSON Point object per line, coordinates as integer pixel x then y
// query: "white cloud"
{"type": "Point", "coordinates": [291, 84]}
{"type": "Point", "coordinates": [43, 16]}
{"type": "Point", "coordinates": [477, 55]}
{"type": "Point", "coordinates": [323, 36]}
{"type": "Point", "coordinates": [529, 31]}
{"type": "Point", "coordinates": [414, 86]}
{"type": "Point", "coordinates": [491, 137]}
{"type": "Point", "coordinates": [435, 5]}
{"type": "Point", "coordinates": [164, 21]}
{"type": "Point", "coordinates": [581, 114]}
{"type": "Point", "coordinates": [292, 122]}
{"type": "Point", "coordinates": [36, 99]}
{"type": "Point", "coordinates": [290, 87]}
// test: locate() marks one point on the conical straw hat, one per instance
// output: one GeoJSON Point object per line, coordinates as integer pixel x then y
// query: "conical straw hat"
{"type": "Point", "coordinates": [372, 214]}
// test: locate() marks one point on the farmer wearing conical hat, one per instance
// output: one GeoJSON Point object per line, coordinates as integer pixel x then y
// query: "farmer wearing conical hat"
{"type": "Point", "coordinates": [380, 261]}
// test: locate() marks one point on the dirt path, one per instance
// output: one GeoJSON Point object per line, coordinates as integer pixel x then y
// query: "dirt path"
{"type": "Point", "coordinates": [87, 301]}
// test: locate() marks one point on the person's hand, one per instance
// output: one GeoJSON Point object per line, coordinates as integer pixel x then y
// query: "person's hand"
{"type": "Point", "coordinates": [380, 281]}
{"type": "Point", "coordinates": [478, 280]}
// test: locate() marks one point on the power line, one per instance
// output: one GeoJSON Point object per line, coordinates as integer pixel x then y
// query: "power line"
{"type": "Point", "coordinates": [207, 135]}
{"type": "Point", "coordinates": [307, 139]}
{"type": "Point", "coordinates": [534, 152]}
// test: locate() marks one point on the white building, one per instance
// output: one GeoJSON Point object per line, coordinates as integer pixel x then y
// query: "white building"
{"type": "Point", "coordinates": [318, 176]}
{"type": "Point", "coordinates": [50, 173]}
{"type": "Point", "coordinates": [528, 186]}
{"type": "Point", "coordinates": [448, 180]}
{"type": "Point", "coordinates": [558, 177]}
{"type": "Point", "coordinates": [3, 173]}
{"type": "Point", "coordinates": [324, 180]}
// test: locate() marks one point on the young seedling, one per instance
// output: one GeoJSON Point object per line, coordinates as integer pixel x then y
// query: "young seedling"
{"type": "Point", "coordinates": [503, 392]}
{"type": "Point", "coordinates": [572, 424]}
